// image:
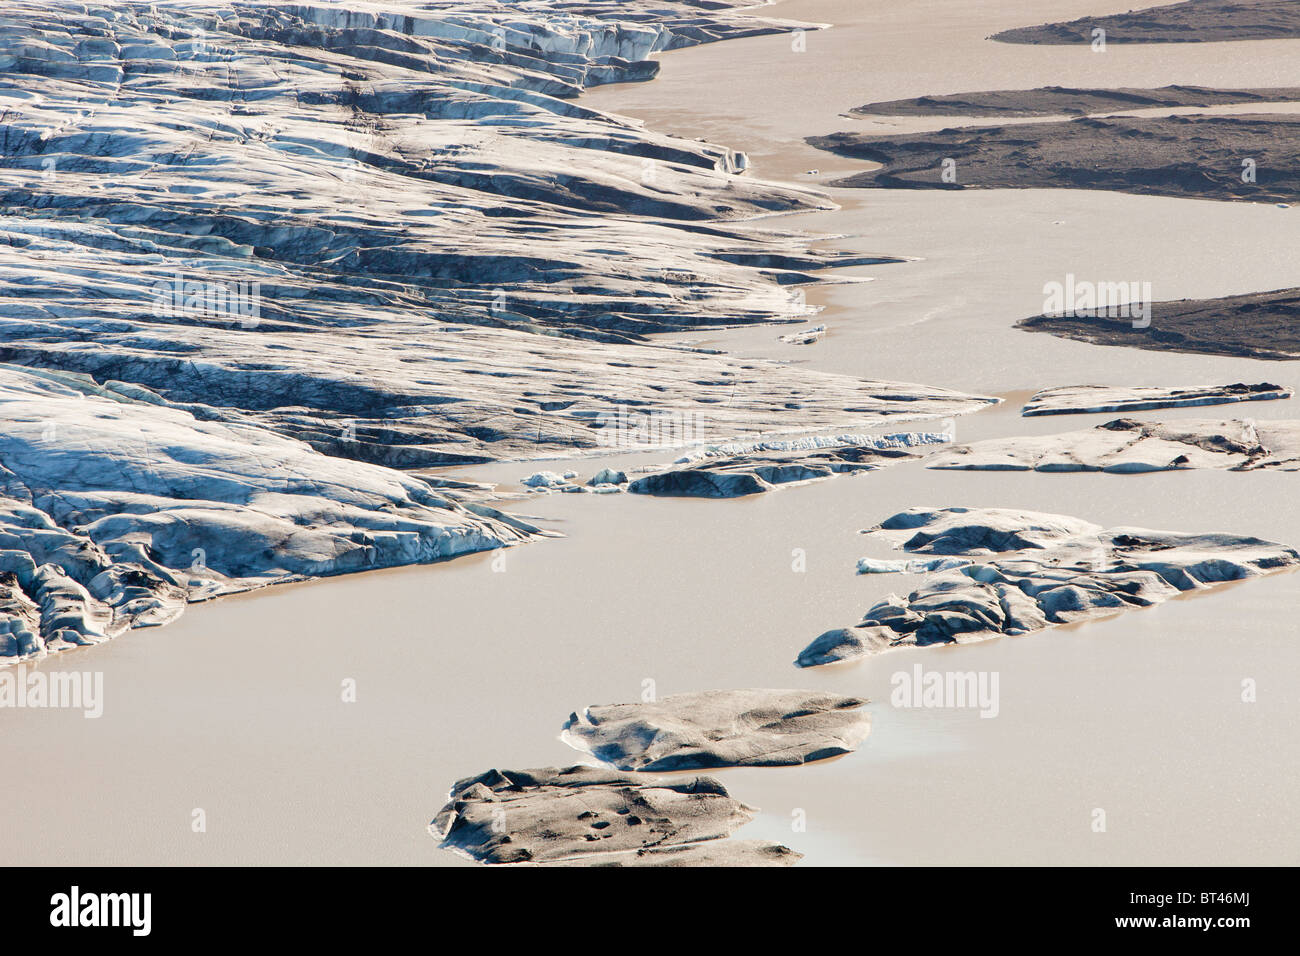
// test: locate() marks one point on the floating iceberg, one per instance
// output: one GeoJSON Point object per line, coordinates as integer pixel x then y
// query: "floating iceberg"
{"type": "Point", "coordinates": [720, 728]}
{"type": "Point", "coordinates": [1038, 571]}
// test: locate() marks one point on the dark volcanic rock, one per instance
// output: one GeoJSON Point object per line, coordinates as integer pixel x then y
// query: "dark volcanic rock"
{"type": "Point", "coordinates": [1260, 325]}
{"type": "Point", "coordinates": [585, 815]}
{"type": "Point", "coordinates": [1192, 156]}
{"type": "Point", "coordinates": [734, 728]}
{"type": "Point", "coordinates": [1193, 21]}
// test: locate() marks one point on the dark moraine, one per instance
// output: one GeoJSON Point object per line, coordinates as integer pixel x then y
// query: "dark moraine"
{"type": "Point", "coordinates": [1059, 100]}
{"type": "Point", "coordinates": [1194, 21]}
{"type": "Point", "coordinates": [1261, 325]}
{"type": "Point", "coordinates": [1198, 157]}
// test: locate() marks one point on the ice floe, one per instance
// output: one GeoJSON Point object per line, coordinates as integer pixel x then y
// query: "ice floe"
{"type": "Point", "coordinates": [589, 816]}
{"type": "Point", "coordinates": [721, 728]}
{"type": "Point", "coordinates": [1037, 571]}
{"type": "Point", "coordinates": [1126, 446]}
{"type": "Point", "coordinates": [1082, 399]}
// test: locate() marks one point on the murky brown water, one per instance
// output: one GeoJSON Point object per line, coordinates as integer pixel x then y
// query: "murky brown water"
{"type": "Point", "coordinates": [236, 709]}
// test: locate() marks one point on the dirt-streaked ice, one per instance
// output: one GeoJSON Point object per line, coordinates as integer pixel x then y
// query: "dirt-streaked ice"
{"type": "Point", "coordinates": [591, 816]}
{"type": "Point", "coordinates": [115, 512]}
{"type": "Point", "coordinates": [1081, 399]}
{"type": "Point", "coordinates": [254, 257]}
{"type": "Point", "coordinates": [1127, 446]}
{"type": "Point", "coordinates": [1039, 570]}
{"type": "Point", "coordinates": [720, 728]}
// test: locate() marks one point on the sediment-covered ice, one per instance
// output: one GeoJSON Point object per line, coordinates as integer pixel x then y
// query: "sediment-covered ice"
{"type": "Point", "coordinates": [733, 728]}
{"type": "Point", "coordinates": [901, 440]}
{"type": "Point", "coordinates": [704, 853]}
{"type": "Point", "coordinates": [1126, 446]}
{"type": "Point", "coordinates": [590, 816]}
{"type": "Point", "coordinates": [1032, 571]}
{"type": "Point", "coordinates": [733, 470]}
{"type": "Point", "coordinates": [1082, 399]}
{"type": "Point", "coordinates": [755, 474]}
{"type": "Point", "coordinates": [608, 476]}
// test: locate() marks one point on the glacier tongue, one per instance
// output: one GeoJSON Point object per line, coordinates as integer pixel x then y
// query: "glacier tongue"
{"type": "Point", "coordinates": [380, 227]}
{"type": "Point", "coordinates": [114, 513]}
{"type": "Point", "coordinates": [256, 256]}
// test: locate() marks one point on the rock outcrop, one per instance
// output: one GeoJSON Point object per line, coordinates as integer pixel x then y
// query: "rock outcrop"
{"type": "Point", "coordinates": [1037, 571]}
{"type": "Point", "coordinates": [731, 728]}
